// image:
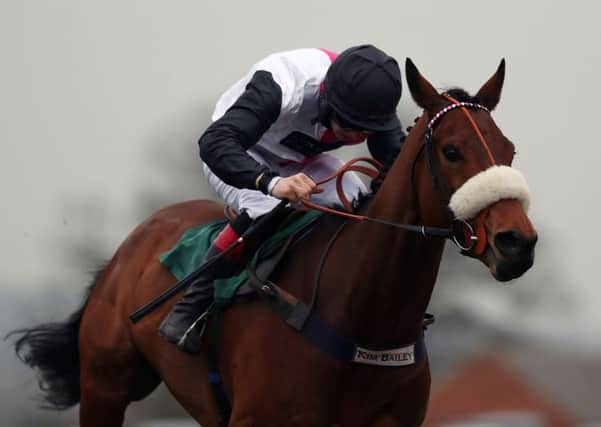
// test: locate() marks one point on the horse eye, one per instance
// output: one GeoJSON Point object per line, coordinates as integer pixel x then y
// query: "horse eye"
{"type": "Point", "coordinates": [452, 153]}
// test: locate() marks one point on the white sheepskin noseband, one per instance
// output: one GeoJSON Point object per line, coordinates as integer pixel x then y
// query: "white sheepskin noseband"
{"type": "Point", "coordinates": [488, 187]}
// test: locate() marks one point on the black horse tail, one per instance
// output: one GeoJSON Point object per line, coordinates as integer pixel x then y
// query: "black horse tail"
{"type": "Point", "coordinates": [52, 349]}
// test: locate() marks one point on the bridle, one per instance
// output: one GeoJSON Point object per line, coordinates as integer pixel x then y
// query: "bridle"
{"type": "Point", "coordinates": [462, 233]}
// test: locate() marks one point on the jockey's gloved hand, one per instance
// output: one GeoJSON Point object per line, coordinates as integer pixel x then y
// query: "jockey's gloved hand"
{"type": "Point", "coordinates": [295, 187]}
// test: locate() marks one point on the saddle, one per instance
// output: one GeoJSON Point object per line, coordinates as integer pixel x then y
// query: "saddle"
{"type": "Point", "coordinates": [265, 258]}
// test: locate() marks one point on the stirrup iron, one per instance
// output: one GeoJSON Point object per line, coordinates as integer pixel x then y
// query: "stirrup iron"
{"type": "Point", "coordinates": [182, 341]}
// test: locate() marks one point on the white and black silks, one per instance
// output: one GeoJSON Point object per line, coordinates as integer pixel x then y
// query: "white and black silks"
{"type": "Point", "coordinates": [275, 110]}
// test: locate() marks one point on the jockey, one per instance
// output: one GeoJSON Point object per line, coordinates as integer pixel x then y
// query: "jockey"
{"type": "Point", "coordinates": [268, 141]}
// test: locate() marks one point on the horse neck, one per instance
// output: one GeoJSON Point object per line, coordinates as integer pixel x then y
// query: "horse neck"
{"type": "Point", "coordinates": [407, 195]}
{"type": "Point", "coordinates": [395, 270]}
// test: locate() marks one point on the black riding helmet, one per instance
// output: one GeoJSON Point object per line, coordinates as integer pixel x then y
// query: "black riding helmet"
{"type": "Point", "coordinates": [363, 87]}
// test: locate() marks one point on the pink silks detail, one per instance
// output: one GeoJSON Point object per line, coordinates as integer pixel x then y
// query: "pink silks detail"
{"type": "Point", "coordinates": [328, 136]}
{"type": "Point", "coordinates": [332, 56]}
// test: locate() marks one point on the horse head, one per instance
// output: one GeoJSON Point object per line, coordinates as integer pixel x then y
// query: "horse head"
{"type": "Point", "coordinates": [469, 161]}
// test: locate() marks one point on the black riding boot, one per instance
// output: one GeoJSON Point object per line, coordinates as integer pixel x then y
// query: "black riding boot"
{"type": "Point", "coordinates": [185, 324]}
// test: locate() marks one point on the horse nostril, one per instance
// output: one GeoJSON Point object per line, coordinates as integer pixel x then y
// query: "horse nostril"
{"type": "Point", "coordinates": [513, 243]}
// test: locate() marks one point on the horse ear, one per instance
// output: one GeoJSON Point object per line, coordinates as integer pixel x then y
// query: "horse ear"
{"type": "Point", "coordinates": [490, 93]}
{"type": "Point", "coordinates": [421, 90]}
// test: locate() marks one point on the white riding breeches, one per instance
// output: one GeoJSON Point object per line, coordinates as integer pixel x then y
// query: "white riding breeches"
{"type": "Point", "coordinates": [255, 203]}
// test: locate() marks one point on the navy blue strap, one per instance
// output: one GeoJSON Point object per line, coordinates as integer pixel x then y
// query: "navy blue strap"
{"type": "Point", "coordinates": [341, 348]}
{"type": "Point", "coordinates": [327, 340]}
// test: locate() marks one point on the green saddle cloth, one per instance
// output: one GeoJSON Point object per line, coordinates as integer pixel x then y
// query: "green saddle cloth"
{"type": "Point", "coordinates": [188, 252]}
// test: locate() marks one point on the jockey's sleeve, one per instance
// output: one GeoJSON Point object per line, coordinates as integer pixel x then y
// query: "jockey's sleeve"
{"type": "Point", "coordinates": [384, 146]}
{"type": "Point", "coordinates": [223, 145]}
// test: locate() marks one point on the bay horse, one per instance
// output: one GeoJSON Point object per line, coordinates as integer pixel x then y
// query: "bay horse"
{"type": "Point", "coordinates": [374, 287]}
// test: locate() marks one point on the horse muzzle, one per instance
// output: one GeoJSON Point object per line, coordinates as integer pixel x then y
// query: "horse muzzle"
{"type": "Point", "coordinates": [495, 202]}
{"type": "Point", "coordinates": [510, 255]}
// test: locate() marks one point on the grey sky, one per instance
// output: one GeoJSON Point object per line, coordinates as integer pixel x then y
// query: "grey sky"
{"type": "Point", "coordinates": [101, 104]}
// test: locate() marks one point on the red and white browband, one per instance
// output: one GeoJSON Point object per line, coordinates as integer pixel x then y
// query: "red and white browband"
{"type": "Point", "coordinates": [451, 107]}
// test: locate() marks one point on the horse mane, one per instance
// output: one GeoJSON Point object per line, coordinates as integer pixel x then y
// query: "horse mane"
{"type": "Point", "coordinates": [461, 95]}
